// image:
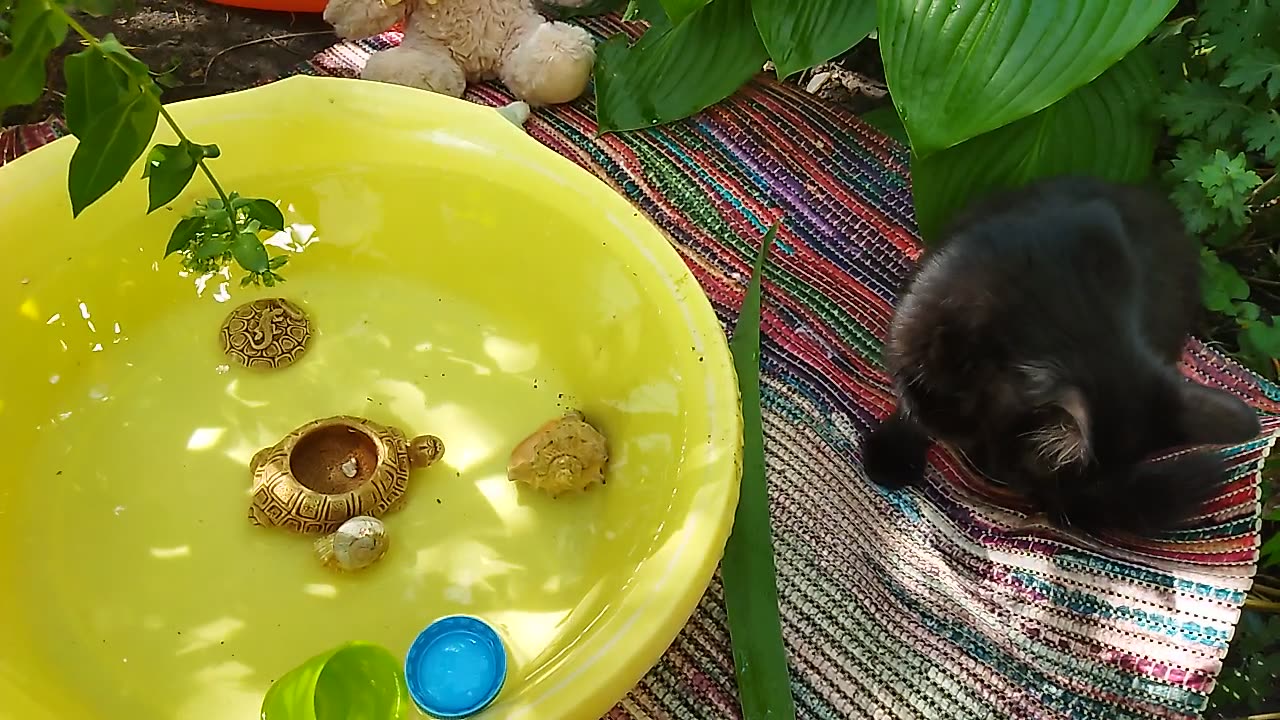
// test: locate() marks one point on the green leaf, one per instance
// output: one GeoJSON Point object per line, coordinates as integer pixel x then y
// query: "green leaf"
{"type": "Point", "coordinates": [1257, 68]}
{"type": "Point", "coordinates": [183, 233]}
{"type": "Point", "coordinates": [1232, 28]}
{"type": "Point", "coordinates": [1220, 283]}
{"type": "Point", "coordinates": [1262, 133]}
{"type": "Point", "coordinates": [36, 30]}
{"type": "Point", "coordinates": [678, 10]}
{"type": "Point", "coordinates": [1264, 336]}
{"type": "Point", "coordinates": [136, 69]}
{"type": "Point", "coordinates": [1102, 130]}
{"type": "Point", "coordinates": [671, 75]}
{"type": "Point", "coordinates": [111, 144]}
{"type": "Point", "coordinates": [959, 68]}
{"type": "Point", "coordinates": [170, 168]}
{"type": "Point", "coordinates": [1227, 180]}
{"type": "Point", "coordinates": [266, 213]}
{"type": "Point", "coordinates": [886, 120]}
{"type": "Point", "coordinates": [94, 86]}
{"type": "Point", "coordinates": [802, 33]}
{"type": "Point", "coordinates": [250, 253]}
{"type": "Point", "coordinates": [1203, 108]}
{"type": "Point", "coordinates": [212, 247]}
{"type": "Point", "coordinates": [748, 571]}
{"type": "Point", "coordinates": [649, 11]}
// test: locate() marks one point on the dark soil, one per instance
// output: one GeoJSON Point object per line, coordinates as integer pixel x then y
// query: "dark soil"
{"type": "Point", "coordinates": [208, 49]}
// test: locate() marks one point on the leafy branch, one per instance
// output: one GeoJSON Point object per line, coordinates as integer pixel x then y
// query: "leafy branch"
{"type": "Point", "coordinates": [113, 107]}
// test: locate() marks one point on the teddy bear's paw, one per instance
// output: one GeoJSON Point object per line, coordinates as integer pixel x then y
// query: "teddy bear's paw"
{"type": "Point", "coordinates": [550, 65]}
{"type": "Point", "coordinates": [428, 68]}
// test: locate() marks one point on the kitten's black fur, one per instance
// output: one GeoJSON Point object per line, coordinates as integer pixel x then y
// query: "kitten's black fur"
{"type": "Point", "coordinates": [1041, 340]}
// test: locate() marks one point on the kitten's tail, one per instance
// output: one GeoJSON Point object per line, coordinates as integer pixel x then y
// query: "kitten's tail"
{"type": "Point", "coordinates": [895, 452]}
{"type": "Point", "coordinates": [1151, 497]}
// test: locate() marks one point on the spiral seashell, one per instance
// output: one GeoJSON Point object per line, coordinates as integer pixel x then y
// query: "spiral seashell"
{"type": "Point", "coordinates": [355, 545]}
{"type": "Point", "coordinates": [563, 455]}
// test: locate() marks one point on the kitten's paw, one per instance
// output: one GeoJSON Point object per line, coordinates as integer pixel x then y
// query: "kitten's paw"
{"type": "Point", "coordinates": [1152, 498]}
{"type": "Point", "coordinates": [894, 454]}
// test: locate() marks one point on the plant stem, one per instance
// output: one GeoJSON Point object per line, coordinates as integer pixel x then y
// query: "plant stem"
{"type": "Point", "coordinates": [94, 43]}
{"type": "Point", "coordinates": [1257, 192]}
{"type": "Point", "coordinates": [1255, 603]}
{"type": "Point", "coordinates": [1262, 281]}
{"type": "Point", "coordinates": [226, 202]}
{"type": "Point", "coordinates": [1266, 590]}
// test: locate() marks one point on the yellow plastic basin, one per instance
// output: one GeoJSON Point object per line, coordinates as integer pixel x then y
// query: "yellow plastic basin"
{"type": "Point", "coordinates": [462, 280]}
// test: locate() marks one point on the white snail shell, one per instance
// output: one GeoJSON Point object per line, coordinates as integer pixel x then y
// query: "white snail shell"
{"type": "Point", "coordinates": [355, 545]}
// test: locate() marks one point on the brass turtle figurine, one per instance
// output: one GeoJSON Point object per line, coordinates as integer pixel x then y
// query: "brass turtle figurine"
{"type": "Point", "coordinates": [565, 454]}
{"type": "Point", "coordinates": [331, 470]}
{"type": "Point", "coordinates": [268, 333]}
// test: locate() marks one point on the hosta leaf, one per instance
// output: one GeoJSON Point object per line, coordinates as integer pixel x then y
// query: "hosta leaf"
{"type": "Point", "coordinates": [886, 120]}
{"type": "Point", "coordinates": [678, 10]}
{"type": "Point", "coordinates": [671, 75]}
{"type": "Point", "coordinates": [1102, 130]}
{"type": "Point", "coordinates": [748, 571]}
{"type": "Point", "coordinates": [35, 31]}
{"type": "Point", "coordinates": [960, 68]}
{"type": "Point", "coordinates": [802, 33]}
{"type": "Point", "coordinates": [649, 11]}
{"type": "Point", "coordinates": [110, 145]}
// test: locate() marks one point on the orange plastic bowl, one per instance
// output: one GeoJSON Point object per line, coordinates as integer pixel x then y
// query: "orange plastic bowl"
{"type": "Point", "coordinates": [294, 6]}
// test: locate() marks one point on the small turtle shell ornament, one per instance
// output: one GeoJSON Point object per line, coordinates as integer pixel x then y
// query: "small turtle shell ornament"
{"type": "Point", "coordinates": [355, 545]}
{"type": "Point", "coordinates": [268, 333]}
{"type": "Point", "coordinates": [334, 469]}
{"type": "Point", "coordinates": [563, 455]}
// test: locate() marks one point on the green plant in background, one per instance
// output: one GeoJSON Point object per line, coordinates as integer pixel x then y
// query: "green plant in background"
{"type": "Point", "coordinates": [991, 95]}
{"type": "Point", "coordinates": [696, 53]}
{"type": "Point", "coordinates": [113, 107]}
{"type": "Point", "coordinates": [1221, 72]}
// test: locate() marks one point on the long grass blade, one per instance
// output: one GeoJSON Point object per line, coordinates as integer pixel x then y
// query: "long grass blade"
{"type": "Point", "coordinates": [750, 583]}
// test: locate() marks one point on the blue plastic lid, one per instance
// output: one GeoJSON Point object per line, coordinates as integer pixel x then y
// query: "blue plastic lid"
{"type": "Point", "coordinates": [455, 667]}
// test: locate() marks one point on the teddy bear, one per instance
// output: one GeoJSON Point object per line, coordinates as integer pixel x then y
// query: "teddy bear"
{"type": "Point", "coordinates": [448, 43]}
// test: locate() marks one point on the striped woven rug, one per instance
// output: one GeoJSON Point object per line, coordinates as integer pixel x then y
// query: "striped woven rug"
{"type": "Point", "coordinates": [941, 603]}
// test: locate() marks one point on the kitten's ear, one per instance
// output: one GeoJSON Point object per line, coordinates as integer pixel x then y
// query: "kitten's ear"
{"type": "Point", "coordinates": [1060, 437]}
{"type": "Point", "coordinates": [1208, 416]}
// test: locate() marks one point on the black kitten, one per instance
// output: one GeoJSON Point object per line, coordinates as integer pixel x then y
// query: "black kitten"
{"type": "Point", "coordinates": [1041, 340]}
